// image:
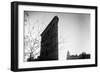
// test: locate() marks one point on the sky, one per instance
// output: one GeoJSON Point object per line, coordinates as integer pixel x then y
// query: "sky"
{"type": "Point", "coordinates": [73, 30]}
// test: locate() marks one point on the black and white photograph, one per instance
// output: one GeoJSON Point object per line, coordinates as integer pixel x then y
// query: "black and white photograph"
{"type": "Point", "coordinates": [53, 36]}
{"type": "Point", "coordinates": [56, 36]}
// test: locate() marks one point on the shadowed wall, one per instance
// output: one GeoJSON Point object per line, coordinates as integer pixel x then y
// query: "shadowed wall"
{"type": "Point", "coordinates": [49, 41]}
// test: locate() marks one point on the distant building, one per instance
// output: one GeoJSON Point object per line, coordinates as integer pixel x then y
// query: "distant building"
{"type": "Point", "coordinates": [49, 41]}
{"type": "Point", "coordinates": [83, 55]}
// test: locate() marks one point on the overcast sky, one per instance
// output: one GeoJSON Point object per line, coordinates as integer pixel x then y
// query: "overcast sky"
{"type": "Point", "coordinates": [73, 30]}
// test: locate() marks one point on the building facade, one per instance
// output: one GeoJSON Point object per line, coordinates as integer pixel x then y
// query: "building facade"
{"type": "Point", "coordinates": [49, 41]}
